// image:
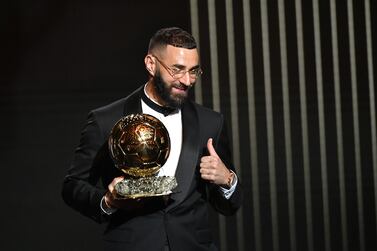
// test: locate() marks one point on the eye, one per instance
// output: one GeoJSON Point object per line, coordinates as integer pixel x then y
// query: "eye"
{"type": "Point", "coordinates": [193, 71]}
{"type": "Point", "coordinates": [175, 70]}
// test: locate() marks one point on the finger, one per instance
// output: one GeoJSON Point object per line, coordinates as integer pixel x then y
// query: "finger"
{"type": "Point", "coordinates": [203, 170]}
{"type": "Point", "coordinates": [207, 165]}
{"type": "Point", "coordinates": [206, 176]}
{"type": "Point", "coordinates": [207, 171]}
{"type": "Point", "coordinates": [204, 165]}
{"type": "Point", "coordinates": [206, 159]}
{"type": "Point", "coordinates": [114, 182]}
{"type": "Point", "coordinates": [212, 160]}
{"type": "Point", "coordinates": [211, 149]}
{"type": "Point", "coordinates": [209, 177]}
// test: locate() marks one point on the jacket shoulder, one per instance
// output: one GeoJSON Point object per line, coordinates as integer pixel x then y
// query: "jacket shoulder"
{"type": "Point", "coordinates": [106, 116]}
{"type": "Point", "coordinates": [115, 106]}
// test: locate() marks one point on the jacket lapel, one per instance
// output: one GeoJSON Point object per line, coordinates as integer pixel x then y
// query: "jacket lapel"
{"type": "Point", "coordinates": [189, 154]}
{"type": "Point", "coordinates": [190, 144]}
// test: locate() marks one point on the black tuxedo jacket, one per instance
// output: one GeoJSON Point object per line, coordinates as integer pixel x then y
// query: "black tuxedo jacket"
{"type": "Point", "coordinates": [183, 222]}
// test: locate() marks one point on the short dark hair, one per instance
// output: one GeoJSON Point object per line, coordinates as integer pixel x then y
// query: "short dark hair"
{"type": "Point", "coordinates": [174, 36]}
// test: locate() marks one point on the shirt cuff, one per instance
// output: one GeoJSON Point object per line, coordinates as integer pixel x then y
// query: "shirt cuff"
{"type": "Point", "coordinates": [106, 209]}
{"type": "Point", "coordinates": [227, 193]}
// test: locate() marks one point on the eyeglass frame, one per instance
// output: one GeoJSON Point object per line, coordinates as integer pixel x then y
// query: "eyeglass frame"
{"type": "Point", "coordinates": [197, 73]}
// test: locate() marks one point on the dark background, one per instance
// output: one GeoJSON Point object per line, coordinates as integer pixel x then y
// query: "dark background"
{"type": "Point", "coordinates": [60, 59]}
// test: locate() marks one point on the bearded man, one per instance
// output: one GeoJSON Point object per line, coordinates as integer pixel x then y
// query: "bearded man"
{"type": "Point", "coordinates": [200, 159]}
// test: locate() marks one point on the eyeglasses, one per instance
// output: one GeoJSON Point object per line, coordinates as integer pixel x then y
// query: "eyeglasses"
{"type": "Point", "coordinates": [177, 73]}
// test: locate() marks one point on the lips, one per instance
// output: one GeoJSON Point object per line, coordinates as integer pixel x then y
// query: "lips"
{"type": "Point", "coordinates": [180, 88]}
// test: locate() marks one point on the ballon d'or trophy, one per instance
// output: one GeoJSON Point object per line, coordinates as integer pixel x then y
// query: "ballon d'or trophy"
{"type": "Point", "coordinates": [139, 145]}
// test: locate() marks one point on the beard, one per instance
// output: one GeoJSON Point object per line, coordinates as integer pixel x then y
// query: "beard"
{"type": "Point", "coordinates": [164, 90]}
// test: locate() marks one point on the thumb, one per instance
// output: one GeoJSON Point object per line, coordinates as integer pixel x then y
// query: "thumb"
{"type": "Point", "coordinates": [211, 149]}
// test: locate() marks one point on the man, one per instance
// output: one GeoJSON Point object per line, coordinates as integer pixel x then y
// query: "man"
{"type": "Point", "coordinates": [199, 159]}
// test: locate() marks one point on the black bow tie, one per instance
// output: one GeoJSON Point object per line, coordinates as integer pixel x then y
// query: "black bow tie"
{"type": "Point", "coordinates": [161, 109]}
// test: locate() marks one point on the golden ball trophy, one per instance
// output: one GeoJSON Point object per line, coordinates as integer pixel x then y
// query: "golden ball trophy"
{"type": "Point", "coordinates": [139, 145]}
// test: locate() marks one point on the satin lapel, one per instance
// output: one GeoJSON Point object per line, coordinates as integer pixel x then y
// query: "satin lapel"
{"type": "Point", "coordinates": [189, 154]}
{"type": "Point", "coordinates": [133, 103]}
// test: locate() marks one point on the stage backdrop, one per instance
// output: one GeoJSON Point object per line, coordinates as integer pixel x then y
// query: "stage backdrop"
{"type": "Point", "coordinates": [295, 80]}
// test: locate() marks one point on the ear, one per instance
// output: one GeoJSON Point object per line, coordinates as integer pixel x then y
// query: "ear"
{"type": "Point", "coordinates": [150, 64]}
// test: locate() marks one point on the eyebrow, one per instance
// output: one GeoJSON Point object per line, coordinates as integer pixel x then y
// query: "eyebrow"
{"type": "Point", "coordinates": [181, 67]}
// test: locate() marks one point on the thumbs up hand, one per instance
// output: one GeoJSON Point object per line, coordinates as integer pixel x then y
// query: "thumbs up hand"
{"type": "Point", "coordinates": [213, 169]}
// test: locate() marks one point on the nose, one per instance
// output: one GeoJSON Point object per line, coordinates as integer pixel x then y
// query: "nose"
{"type": "Point", "coordinates": [185, 79]}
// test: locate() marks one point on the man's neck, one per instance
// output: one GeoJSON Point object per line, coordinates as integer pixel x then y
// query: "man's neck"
{"type": "Point", "coordinates": [154, 105]}
{"type": "Point", "coordinates": [151, 93]}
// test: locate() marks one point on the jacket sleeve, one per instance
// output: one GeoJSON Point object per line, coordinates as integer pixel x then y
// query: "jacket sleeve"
{"type": "Point", "coordinates": [80, 188]}
{"type": "Point", "coordinates": [216, 198]}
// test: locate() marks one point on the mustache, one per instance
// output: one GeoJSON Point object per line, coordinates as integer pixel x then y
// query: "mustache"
{"type": "Point", "coordinates": [182, 86]}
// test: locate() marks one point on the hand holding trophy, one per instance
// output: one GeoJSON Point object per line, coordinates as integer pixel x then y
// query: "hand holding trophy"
{"type": "Point", "coordinates": [139, 145]}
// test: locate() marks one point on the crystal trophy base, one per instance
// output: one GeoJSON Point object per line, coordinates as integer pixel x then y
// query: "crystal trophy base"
{"type": "Point", "coordinates": [133, 188]}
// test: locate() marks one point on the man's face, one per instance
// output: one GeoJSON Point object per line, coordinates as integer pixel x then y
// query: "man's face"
{"type": "Point", "coordinates": [173, 90]}
{"type": "Point", "coordinates": [173, 94]}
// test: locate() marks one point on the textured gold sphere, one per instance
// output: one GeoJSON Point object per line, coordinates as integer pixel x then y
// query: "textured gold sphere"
{"type": "Point", "coordinates": [139, 145]}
